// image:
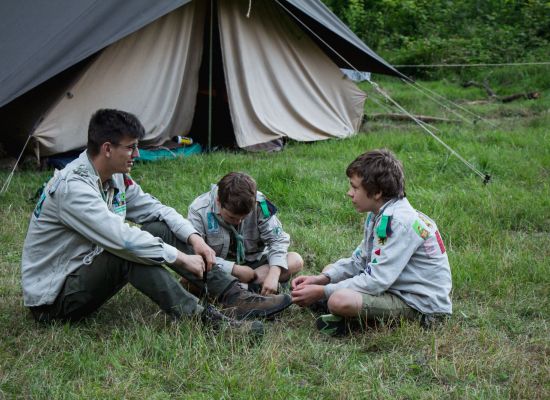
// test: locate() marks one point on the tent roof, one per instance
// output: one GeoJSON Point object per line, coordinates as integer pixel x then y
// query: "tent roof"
{"type": "Point", "coordinates": [41, 39]}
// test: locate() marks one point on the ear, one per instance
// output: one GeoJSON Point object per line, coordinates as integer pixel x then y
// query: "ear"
{"type": "Point", "coordinates": [378, 196]}
{"type": "Point", "coordinates": [106, 149]}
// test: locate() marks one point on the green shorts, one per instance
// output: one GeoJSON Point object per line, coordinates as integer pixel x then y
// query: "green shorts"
{"type": "Point", "coordinates": [387, 306]}
{"type": "Point", "coordinates": [258, 263]}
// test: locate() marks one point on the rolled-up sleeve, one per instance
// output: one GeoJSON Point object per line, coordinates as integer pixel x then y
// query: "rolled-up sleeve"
{"type": "Point", "coordinates": [276, 240]}
{"type": "Point", "coordinates": [85, 211]}
{"type": "Point", "coordinates": [142, 208]}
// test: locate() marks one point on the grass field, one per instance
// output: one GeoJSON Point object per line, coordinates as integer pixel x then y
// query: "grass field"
{"type": "Point", "coordinates": [497, 344]}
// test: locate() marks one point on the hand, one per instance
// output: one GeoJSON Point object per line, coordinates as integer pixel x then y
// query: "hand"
{"type": "Point", "coordinates": [192, 263]}
{"type": "Point", "coordinates": [271, 281]}
{"type": "Point", "coordinates": [202, 249]}
{"type": "Point", "coordinates": [243, 273]}
{"type": "Point", "coordinates": [307, 294]}
{"type": "Point", "coordinates": [305, 280]}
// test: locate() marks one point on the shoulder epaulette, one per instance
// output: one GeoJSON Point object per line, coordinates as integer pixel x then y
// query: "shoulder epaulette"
{"type": "Point", "coordinates": [383, 230]}
{"type": "Point", "coordinates": [267, 207]}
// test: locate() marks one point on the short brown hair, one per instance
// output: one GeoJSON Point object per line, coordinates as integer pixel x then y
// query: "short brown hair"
{"type": "Point", "coordinates": [237, 193]}
{"type": "Point", "coordinates": [109, 125]}
{"type": "Point", "coordinates": [381, 172]}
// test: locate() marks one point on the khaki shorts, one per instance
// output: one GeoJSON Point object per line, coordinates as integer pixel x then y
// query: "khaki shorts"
{"type": "Point", "coordinates": [387, 306]}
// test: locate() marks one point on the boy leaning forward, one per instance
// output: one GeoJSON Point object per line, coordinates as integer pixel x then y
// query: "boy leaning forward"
{"type": "Point", "coordinates": [400, 269]}
{"type": "Point", "coordinates": [240, 224]}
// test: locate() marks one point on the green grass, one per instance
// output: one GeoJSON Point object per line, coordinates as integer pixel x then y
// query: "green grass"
{"type": "Point", "coordinates": [497, 344]}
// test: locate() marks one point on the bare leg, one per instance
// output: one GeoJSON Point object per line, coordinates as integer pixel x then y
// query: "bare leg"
{"type": "Point", "coordinates": [346, 303]}
{"type": "Point", "coordinates": [295, 264]}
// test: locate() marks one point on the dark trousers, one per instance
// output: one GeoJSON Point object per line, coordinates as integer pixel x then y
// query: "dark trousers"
{"type": "Point", "coordinates": [87, 288]}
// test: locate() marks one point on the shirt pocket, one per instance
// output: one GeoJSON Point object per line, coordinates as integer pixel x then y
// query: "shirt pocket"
{"type": "Point", "coordinates": [216, 242]}
{"type": "Point", "coordinates": [253, 244]}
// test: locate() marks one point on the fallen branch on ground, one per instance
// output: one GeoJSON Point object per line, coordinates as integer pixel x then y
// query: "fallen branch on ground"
{"type": "Point", "coordinates": [493, 96]}
{"type": "Point", "coordinates": [403, 117]}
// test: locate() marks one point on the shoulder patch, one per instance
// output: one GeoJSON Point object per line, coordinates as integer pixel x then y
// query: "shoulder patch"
{"type": "Point", "coordinates": [213, 226]}
{"type": "Point", "coordinates": [420, 230]}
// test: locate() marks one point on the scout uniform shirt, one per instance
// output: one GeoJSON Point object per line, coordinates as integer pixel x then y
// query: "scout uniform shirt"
{"type": "Point", "coordinates": [261, 231]}
{"type": "Point", "coordinates": [77, 217]}
{"type": "Point", "coordinates": [402, 253]}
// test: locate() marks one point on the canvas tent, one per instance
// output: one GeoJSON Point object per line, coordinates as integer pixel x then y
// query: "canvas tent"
{"type": "Point", "coordinates": [264, 69]}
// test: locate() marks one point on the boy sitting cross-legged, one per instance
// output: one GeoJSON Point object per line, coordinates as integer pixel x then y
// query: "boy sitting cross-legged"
{"type": "Point", "coordinates": [400, 269]}
{"type": "Point", "coordinates": [242, 227]}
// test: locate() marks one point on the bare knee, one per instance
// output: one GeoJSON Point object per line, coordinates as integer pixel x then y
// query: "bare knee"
{"type": "Point", "coordinates": [295, 265]}
{"type": "Point", "coordinates": [345, 302]}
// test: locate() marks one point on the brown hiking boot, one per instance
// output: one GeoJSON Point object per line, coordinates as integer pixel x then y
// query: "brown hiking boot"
{"type": "Point", "coordinates": [216, 320]}
{"type": "Point", "coordinates": [241, 304]}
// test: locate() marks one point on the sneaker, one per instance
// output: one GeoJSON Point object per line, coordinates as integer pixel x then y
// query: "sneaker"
{"type": "Point", "coordinates": [332, 325]}
{"type": "Point", "coordinates": [242, 304]}
{"type": "Point", "coordinates": [215, 319]}
{"type": "Point", "coordinates": [319, 307]}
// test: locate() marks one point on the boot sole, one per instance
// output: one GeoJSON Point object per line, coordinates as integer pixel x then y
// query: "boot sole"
{"type": "Point", "coordinates": [267, 314]}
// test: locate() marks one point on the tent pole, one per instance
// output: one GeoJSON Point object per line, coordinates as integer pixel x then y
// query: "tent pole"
{"type": "Point", "coordinates": [210, 77]}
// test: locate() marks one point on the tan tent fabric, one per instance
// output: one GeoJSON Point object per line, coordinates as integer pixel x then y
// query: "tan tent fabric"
{"type": "Point", "coordinates": [152, 73]}
{"type": "Point", "coordinates": [279, 82]}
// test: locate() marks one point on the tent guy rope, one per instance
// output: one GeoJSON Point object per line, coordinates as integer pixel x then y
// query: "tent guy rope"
{"type": "Point", "coordinates": [10, 176]}
{"type": "Point", "coordinates": [486, 177]}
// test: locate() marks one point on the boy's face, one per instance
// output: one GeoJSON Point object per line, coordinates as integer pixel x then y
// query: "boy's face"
{"type": "Point", "coordinates": [360, 198]}
{"type": "Point", "coordinates": [230, 217]}
{"type": "Point", "coordinates": [121, 155]}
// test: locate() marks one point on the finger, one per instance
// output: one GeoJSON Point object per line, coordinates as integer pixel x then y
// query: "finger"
{"type": "Point", "coordinates": [211, 257]}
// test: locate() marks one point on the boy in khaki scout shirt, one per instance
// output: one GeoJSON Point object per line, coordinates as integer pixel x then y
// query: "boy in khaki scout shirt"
{"type": "Point", "coordinates": [242, 227]}
{"type": "Point", "coordinates": [400, 269]}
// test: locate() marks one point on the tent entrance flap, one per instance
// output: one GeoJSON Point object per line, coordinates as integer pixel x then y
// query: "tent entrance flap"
{"type": "Point", "coordinates": [216, 97]}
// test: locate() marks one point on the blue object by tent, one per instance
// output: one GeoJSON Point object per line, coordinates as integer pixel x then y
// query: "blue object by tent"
{"type": "Point", "coordinates": [164, 153]}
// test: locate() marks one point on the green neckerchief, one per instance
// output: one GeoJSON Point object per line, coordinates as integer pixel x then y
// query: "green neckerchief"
{"type": "Point", "coordinates": [238, 238]}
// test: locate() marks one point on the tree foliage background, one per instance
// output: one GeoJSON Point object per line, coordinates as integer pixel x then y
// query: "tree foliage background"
{"type": "Point", "coordinates": [446, 31]}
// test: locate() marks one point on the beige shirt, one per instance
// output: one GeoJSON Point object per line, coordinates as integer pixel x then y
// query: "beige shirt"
{"type": "Point", "coordinates": [77, 218]}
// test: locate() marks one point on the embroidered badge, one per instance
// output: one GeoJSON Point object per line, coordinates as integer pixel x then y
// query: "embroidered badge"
{"type": "Point", "coordinates": [375, 261]}
{"type": "Point", "coordinates": [119, 203]}
{"type": "Point", "coordinates": [431, 248]}
{"type": "Point", "coordinates": [368, 269]}
{"type": "Point", "coordinates": [213, 225]}
{"type": "Point", "coordinates": [440, 242]}
{"type": "Point", "coordinates": [377, 252]}
{"type": "Point", "coordinates": [357, 252]}
{"type": "Point", "coordinates": [277, 231]}
{"type": "Point", "coordinates": [420, 230]}
{"type": "Point", "coordinates": [81, 170]}
{"type": "Point", "coordinates": [127, 181]}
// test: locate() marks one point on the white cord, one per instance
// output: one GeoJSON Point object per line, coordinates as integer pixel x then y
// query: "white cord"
{"type": "Point", "coordinates": [425, 89]}
{"type": "Point", "coordinates": [423, 126]}
{"type": "Point", "coordinates": [485, 177]}
{"type": "Point", "coordinates": [472, 65]}
{"type": "Point", "coordinates": [7, 183]}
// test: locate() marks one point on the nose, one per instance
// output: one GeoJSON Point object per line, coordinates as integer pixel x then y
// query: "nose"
{"type": "Point", "coordinates": [350, 193]}
{"type": "Point", "coordinates": [135, 152]}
